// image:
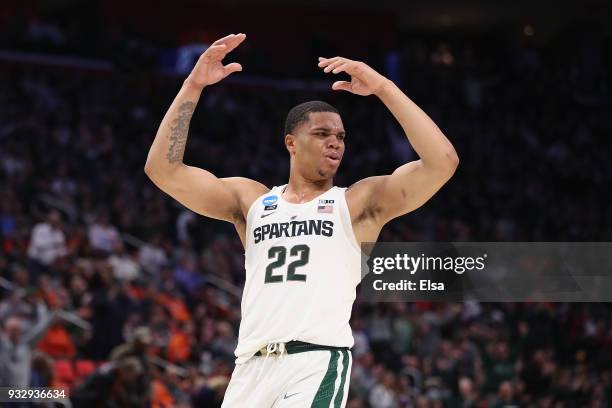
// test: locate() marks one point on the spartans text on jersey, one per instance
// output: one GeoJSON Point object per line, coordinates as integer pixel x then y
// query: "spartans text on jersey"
{"type": "Point", "coordinates": [293, 229]}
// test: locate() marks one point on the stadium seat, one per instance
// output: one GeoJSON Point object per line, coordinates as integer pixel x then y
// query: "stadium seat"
{"type": "Point", "coordinates": [64, 371]}
{"type": "Point", "coordinates": [84, 368]}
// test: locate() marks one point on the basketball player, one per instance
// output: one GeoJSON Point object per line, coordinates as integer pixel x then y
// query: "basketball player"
{"type": "Point", "coordinates": [302, 239]}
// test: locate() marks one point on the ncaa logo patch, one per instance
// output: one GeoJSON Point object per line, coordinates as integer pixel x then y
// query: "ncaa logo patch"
{"type": "Point", "coordinates": [270, 200]}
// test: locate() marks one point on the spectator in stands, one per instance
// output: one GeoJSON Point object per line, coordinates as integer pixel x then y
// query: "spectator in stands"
{"type": "Point", "coordinates": [160, 396]}
{"type": "Point", "coordinates": [152, 255]}
{"type": "Point", "coordinates": [111, 386]}
{"type": "Point", "coordinates": [505, 396]}
{"type": "Point", "coordinates": [108, 303]}
{"type": "Point", "coordinates": [180, 343]}
{"type": "Point", "coordinates": [125, 264]}
{"type": "Point", "coordinates": [224, 343]}
{"type": "Point", "coordinates": [211, 393]}
{"type": "Point", "coordinates": [16, 345]}
{"type": "Point", "coordinates": [136, 348]}
{"type": "Point", "coordinates": [177, 387]}
{"type": "Point", "coordinates": [104, 236]}
{"type": "Point", "coordinates": [467, 398]}
{"type": "Point", "coordinates": [57, 342]}
{"type": "Point", "coordinates": [186, 275]}
{"type": "Point", "coordinates": [47, 244]}
{"type": "Point", "coordinates": [43, 374]}
{"type": "Point", "coordinates": [499, 364]}
{"type": "Point", "coordinates": [383, 394]}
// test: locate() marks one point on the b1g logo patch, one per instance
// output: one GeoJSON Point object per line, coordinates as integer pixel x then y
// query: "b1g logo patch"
{"type": "Point", "coordinates": [270, 207]}
{"type": "Point", "coordinates": [322, 201]}
{"type": "Point", "coordinates": [270, 200]}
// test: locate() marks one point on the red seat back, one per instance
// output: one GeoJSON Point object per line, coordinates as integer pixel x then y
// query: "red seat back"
{"type": "Point", "coordinates": [84, 368]}
{"type": "Point", "coordinates": [64, 371]}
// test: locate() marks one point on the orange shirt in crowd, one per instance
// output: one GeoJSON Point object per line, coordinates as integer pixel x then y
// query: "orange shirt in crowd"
{"type": "Point", "coordinates": [179, 347]}
{"type": "Point", "coordinates": [57, 343]}
{"type": "Point", "coordinates": [160, 396]}
{"type": "Point", "coordinates": [175, 306]}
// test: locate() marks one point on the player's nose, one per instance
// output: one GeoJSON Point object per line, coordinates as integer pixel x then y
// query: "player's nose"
{"type": "Point", "coordinates": [332, 142]}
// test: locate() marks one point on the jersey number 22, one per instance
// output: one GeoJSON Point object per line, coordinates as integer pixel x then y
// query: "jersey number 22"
{"type": "Point", "coordinates": [279, 254]}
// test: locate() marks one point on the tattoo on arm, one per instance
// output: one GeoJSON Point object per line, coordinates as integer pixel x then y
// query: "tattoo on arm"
{"type": "Point", "coordinates": [178, 133]}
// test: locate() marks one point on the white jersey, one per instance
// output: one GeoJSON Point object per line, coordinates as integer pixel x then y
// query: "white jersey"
{"type": "Point", "coordinates": [302, 267]}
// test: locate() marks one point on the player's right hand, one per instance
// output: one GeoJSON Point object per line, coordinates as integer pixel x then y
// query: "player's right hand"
{"type": "Point", "coordinates": [209, 69]}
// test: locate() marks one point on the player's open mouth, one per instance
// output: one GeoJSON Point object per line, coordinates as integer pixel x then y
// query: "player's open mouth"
{"type": "Point", "coordinates": [333, 157]}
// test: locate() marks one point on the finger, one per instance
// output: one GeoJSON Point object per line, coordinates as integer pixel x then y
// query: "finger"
{"type": "Point", "coordinates": [326, 61]}
{"type": "Point", "coordinates": [341, 86]}
{"type": "Point", "coordinates": [231, 68]}
{"type": "Point", "coordinates": [323, 62]}
{"type": "Point", "coordinates": [230, 41]}
{"type": "Point", "coordinates": [333, 65]}
{"type": "Point", "coordinates": [340, 68]}
{"type": "Point", "coordinates": [224, 39]}
{"type": "Point", "coordinates": [235, 42]}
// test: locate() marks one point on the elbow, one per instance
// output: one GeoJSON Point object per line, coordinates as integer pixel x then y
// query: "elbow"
{"type": "Point", "coordinates": [152, 166]}
{"type": "Point", "coordinates": [159, 175]}
{"type": "Point", "coordinates": [148, 169]}
{"type": "Point", "coordinates": [452, 159]}
{"type": "Point", "coordinates": [448, 163]}
{"type": "Point", "coordinates": [151, 171]}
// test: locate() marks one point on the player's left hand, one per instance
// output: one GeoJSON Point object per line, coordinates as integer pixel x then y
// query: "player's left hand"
{"type": "Point", "coordinates": [364, 80]}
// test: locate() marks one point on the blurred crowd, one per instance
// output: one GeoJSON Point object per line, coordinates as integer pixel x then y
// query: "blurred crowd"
{"type": "Point", "coordinates": [83, 230]}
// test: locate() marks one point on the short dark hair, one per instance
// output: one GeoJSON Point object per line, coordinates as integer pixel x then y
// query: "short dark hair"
{"type": "Point", "coordinates": [299, 114]}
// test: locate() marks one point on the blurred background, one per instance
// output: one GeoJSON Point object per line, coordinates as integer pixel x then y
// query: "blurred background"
{"type": "Point", "coordinates": [113, 290]}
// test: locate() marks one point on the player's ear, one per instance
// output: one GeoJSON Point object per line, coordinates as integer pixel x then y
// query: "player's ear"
{"type": "Point", "coordinates": [290, 143]}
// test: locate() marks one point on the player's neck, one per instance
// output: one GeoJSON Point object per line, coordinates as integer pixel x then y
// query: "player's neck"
{"type": "Point", "coordinates": [300, 190]}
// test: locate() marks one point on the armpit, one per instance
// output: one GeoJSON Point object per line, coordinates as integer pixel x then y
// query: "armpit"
{"type": "Point", "coordinates": [370, 212]}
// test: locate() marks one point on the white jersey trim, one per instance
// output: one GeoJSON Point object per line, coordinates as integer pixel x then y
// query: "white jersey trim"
{"type": "Point", "coordinates": [249, 217]}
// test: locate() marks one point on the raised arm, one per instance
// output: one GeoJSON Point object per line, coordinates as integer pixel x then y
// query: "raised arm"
{"type": "Point", "coordinates": [44, 318]}
{"type": "Point", "coordinates": [411, 184]}
{"type": "Point", "coordinates": [198, 189]}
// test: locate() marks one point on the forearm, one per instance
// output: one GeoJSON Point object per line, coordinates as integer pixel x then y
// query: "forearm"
{"type": "Point", "coordinates": [44, 320]}
{"type": "Point", "coordinates": [433, 148]}
{"type": "Point", "coordinates": [168, 148]}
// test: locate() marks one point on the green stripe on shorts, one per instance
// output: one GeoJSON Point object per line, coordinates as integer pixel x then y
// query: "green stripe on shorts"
{"type": "Point", "coordinates": [325, 392]}
{"type": "Point", "coordinates": [345, 366]}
